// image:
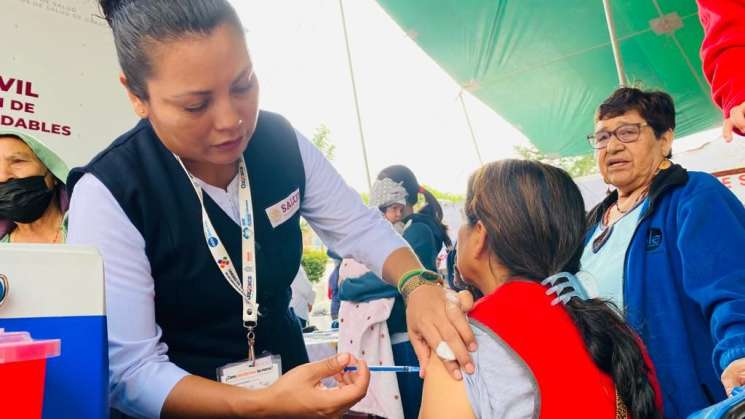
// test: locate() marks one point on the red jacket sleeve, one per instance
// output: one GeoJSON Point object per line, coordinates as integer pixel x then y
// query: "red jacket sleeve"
{"type": "Point", "coordinates": [723, 50]}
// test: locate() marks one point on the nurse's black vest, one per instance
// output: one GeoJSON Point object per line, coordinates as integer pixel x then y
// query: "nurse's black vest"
{"type": "Point", "coordinates": [200, 314]}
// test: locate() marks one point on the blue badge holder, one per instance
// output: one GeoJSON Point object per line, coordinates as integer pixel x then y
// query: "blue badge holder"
{"type": "Point", "coordinates": [731, 408]}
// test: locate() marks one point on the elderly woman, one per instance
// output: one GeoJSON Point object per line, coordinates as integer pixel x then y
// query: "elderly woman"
{"type": "Point", "coordinates": [666, 247]}
{"type": "Point", "coordinates": [33, 200]}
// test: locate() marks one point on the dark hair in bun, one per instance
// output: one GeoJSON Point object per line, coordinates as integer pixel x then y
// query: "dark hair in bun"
{"type": "Point", "coordinates": [108, 7]}
{"type": "Point", "coordinates": [138, 24]}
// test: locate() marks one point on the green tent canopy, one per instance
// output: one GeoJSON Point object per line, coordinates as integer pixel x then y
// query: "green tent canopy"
{"type": "Point", "coordinates": [545, 65]}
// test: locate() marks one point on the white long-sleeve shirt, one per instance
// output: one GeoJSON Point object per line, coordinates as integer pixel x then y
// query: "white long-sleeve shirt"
{"type": "Point", "coordinates": [140, 373]}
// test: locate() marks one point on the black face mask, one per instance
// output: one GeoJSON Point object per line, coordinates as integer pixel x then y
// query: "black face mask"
{"type": "Point", "coordinates": [24, 200]}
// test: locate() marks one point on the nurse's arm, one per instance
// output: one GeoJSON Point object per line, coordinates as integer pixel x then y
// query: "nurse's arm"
{"type": "Point", "coordinates": [197, 397]}
{"type": "Point", "coordinates": [340, 218]}
{"type": "Point", "coordinates": [298, 393]}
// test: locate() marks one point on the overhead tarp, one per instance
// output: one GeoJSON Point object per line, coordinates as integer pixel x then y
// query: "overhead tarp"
{"type": "Point", "coordinates": [546, 65]}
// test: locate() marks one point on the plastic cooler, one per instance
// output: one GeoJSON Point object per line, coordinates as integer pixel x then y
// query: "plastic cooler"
{"type": "Point", "coordinates": [57, 292]}
{"type": "Point", "coordinates": [22, 365]}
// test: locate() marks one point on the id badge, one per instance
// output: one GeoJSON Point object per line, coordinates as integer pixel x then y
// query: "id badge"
{"type": "Point", "coordinates": [261, 374]}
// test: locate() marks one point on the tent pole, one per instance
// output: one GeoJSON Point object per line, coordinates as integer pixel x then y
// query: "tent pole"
{"type": "Point", "coordinates": [470, 128]}
{"type": "Point", "coordinates": [354, 94]}
{"type": "Point", "coordinates": [614, 42]}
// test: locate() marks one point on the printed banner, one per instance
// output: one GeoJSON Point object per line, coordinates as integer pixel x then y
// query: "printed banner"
{"type": "Point", "coordinates": [59, 76]}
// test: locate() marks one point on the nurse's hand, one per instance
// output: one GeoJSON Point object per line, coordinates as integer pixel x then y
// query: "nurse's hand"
{"type": "Point", "coordinates": [432, 319]}
{"type": "Point", "coordinates": [300, 394]}
{"type": "Point", "coordinates": [734, 375]}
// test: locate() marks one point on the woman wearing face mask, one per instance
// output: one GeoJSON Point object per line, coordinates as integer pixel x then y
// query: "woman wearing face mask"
{"type": "Point", "coordinates": [196, 211]}
{"type": "Point", "coordinates": [33, 200]}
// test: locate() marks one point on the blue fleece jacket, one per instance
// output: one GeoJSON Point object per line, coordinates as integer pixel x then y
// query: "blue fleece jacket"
{"type": "Point", "coordinates": [684, 285]}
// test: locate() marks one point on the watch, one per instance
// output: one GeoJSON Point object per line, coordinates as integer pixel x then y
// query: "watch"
{"type": "Point", "coordinates": [412, 281]}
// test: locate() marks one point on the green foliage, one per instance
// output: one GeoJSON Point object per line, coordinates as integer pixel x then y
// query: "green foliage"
{"type": "Point", "coordinates": [576, 166]}
{"type": "Point", "coordinates": [322, 142]}
{"type": "Point", "coordinates": [314, 263]}
{"type": "Point", "coordinates": [305, 227]}
{"type": "Point", "coordinates": [445, 196]}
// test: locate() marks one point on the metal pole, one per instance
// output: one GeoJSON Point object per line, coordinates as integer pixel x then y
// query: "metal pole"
{"type": "Point", "coordinates": [354, 93]}
{"type": "Point", "coordinates": [470, 128]}
{"type": "Point", "coordinates": [614, 42]}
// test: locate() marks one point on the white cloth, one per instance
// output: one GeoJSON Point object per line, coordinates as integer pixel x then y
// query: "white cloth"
{"type": "Point", "coordinates": [350, 268]}
{"type": "Point", "coordinates": [302, 294]}
{"type": "Point", "coordinates": [140, 373]}
{"type": "Point", "coordinates": [363, 332]}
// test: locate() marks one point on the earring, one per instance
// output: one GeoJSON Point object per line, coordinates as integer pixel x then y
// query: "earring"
{"type": "Point", "coordinates": [665, 164]}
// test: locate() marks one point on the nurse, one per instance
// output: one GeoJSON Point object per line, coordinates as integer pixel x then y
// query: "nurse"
{"type": "Point", "coordinates": [196, 213]}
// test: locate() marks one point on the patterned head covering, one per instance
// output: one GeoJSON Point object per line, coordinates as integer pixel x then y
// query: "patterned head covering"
{"type": "Point", "coordinates": [385, 192]}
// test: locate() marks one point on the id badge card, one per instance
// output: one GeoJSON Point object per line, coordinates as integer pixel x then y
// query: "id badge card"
{"type": "Point", "coordinates": [262, 373]}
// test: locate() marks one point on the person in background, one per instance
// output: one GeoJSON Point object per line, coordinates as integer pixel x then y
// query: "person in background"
{"type": "Point", "coordinates": [333, 287]}
{"type": "Point", "coordinates": [545, 350]}
{"type": "Point", "coordinates": [426, 234]}
{"type": "Point", "coordinates": [722, 53]}
{"type": "Point", "coordinates": [664, 246]}
{"type": "Point", "coordinates": [303, 297]}
{"type": "Point", "coordinates": [423, 230]}
{"type": "Point", "coordinates": [372, 320]}
{"type": "Point", "coordinates": [33, 199]}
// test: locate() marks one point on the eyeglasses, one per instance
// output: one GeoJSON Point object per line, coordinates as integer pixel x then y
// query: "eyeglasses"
{"type": "Point", "coordinates": [626, 133]}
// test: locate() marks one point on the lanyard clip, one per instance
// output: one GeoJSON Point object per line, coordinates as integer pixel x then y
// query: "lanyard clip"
{"type": "Point", "coordinates": [251, 336]}
{"type": "Point", "coordinates": [251, 314]}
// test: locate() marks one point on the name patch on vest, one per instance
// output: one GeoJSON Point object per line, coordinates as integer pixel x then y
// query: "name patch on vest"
{"type": "Point", "coordinates": [284, 209]}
